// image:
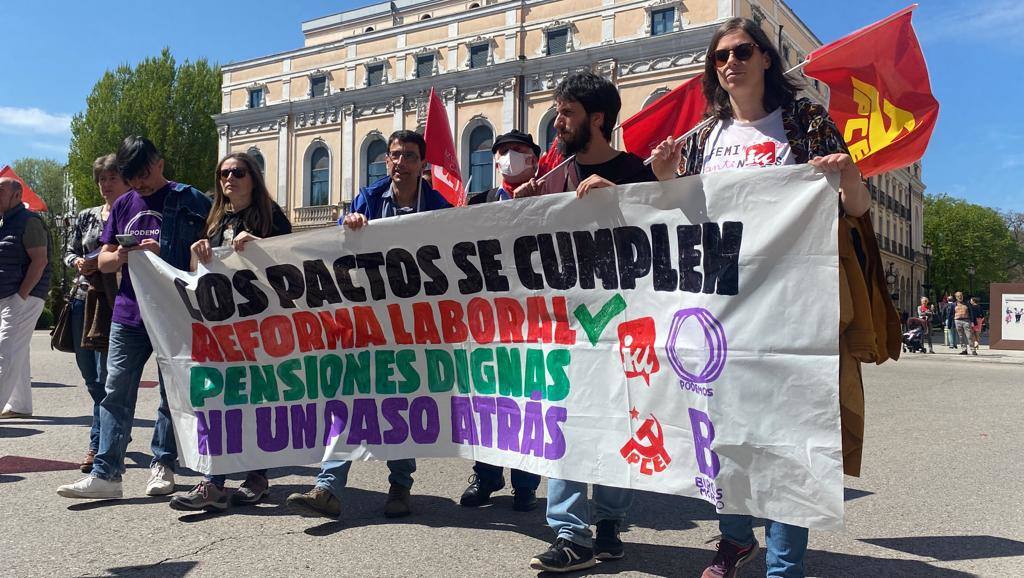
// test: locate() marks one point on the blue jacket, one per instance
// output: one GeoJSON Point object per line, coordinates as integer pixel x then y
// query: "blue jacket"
{"type": "Point", "coordinates": [370, 201]}
{"type": "Point", "coordinates": [184, 219]}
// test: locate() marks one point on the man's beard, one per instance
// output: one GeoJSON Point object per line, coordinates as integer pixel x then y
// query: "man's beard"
{"type": "Point", "coordinates": [573, 143]}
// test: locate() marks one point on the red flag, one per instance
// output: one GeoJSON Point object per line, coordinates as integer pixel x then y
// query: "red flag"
{"type": "Point", "coordinates": [444, 163]}
{"type": "Point", "coordinates": [671, 115]}
{"type": "Point", "coordinates": [881, 98]}
{"type": "Point", "coordinates": [550, 159]}
{"type": "Point", "coordinates": [28, 196]}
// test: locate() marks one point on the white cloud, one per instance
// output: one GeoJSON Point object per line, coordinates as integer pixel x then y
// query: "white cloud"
{"type": "Point", "coordinates": [972, 21]}
{"type": "Point", "coordinates": [33, 121]}
{"type": "Point", "coordinates": [61, 149]}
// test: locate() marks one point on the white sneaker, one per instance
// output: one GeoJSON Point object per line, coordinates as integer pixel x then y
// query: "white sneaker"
{"type": "Point", "coordinates": [161, 481]}
{"type": "Point", "coordinates": [91, 487]}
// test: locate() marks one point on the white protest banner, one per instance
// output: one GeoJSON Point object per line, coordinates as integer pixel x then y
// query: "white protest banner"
{"type": "Point", "coordinates": [676, 337]}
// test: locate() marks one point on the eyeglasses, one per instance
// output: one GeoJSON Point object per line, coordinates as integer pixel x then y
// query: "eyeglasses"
{"type": "Point", "coordinates": [408, 156]}
{"type": "Point", "coordinates": [742, 52]}
{"type": "Point", "coordinates": [239, 173]}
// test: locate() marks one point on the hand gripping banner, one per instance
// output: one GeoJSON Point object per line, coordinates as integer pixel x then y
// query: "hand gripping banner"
{"type": "Point", "coordinates": [676, 337]}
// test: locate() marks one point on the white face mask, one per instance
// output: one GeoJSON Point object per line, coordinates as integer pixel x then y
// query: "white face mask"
{"type": "Point", "coordinates": [514, 164]}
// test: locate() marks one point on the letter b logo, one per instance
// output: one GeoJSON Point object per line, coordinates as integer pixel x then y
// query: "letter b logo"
{"type": "Point", "coordinates": [703, 435]}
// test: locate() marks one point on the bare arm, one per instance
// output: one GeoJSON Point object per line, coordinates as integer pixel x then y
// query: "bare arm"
{"type": "Point", "coordinates": [37, 255]}
{"type": "Point", "coordinates": [111, 258]}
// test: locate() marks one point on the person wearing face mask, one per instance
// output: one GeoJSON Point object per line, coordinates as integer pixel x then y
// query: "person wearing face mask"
{"type": "Point", "coordinates": [515, 156]}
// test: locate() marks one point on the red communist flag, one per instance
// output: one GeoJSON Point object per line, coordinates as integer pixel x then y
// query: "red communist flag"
{"type": "Point", "coordinates": [881, 98]}
{"type": "Point", "coordinates": [28, 196]}
{"type": "Point", "coordinates": [671, 115]}
{"type": "Point", "coordinates": [444, 163]}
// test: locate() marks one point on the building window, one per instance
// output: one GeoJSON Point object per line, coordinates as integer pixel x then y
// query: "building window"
{"type": "Point", "coordinates": [424, 65]}
{"type": "Point", "coordinates": [255, 97]}
{"type": "Point", "coordinates": [474, 5]}
{"type": "Point", "coordinates": [785, 52]}
{"type": "Point", "coordinates": [318, 86]}
{"type": "Point", "coordinates": [478, 55]}
{"type": "Point", "coordinates": [481, 159]}
{"type": "Point", "coordinates": [558, 41]}
{"type": "Point", "coordinates": [258, 157]}
{"type": "Point", "coordinates": [375, 74]}
{"type": "Point", "coordinates": [319, 177]}
{"type": "Point", "coordinates": [425, 17]}
{"type": "Point", "coordinates": [662, 21]}
{"type": "Point", "coordinates": [368, 29]}
{"type": "Point", "coordinates": [376, 168]}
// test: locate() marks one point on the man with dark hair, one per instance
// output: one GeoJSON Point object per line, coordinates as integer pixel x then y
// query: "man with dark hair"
{"type": "Point", "coordinates": [402, 192]}
{"type": "Point", "coordinates": [515, 157]}
{"type": "Point", "coordinates": [165, 218]}
{"type": "Point", "coordinates": [587, 107]}
{"type": "Point", "coordinates": [24, 281]}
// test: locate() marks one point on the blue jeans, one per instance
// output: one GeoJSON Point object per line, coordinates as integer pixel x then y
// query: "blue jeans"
{"type": "Point", "coordinates": [126, 357]}
{"type": "Point", "coordinates": [333, 474]}
{"type": "Point", "coordinates": [492, 476]}
{"type": "Point", "coordinates": [93, 366]}
{"type": "Point", "coordinates": [219, 479]}
{"type": "Point", "coordinates": [785, 545]}
{"type": "Point", "coordinates": [569, 511]}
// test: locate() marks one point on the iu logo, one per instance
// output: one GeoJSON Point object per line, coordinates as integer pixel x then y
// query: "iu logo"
{"type": "Point", "coordinates": [647, 447]}
{"type": "Point", "coordinates": [636, 348]}
{"type": "Point", "coordinates": [760, 155]}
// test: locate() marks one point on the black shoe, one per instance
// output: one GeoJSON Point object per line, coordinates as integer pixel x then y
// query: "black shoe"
{"type": "Point", "coordinates": [478, 493]}
{"type": "Point", "coordinates": [397, 505]}
{"type": "Point", "coordinates": [564, 556]}
{"type": "Point", "coordinates": [964, 352]}
{"type": "Point", "coordinates": [607, 545]}
{"type": "Point", "coordinates": [523, 499]}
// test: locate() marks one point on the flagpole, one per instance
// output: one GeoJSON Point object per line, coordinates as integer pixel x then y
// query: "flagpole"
{"type": "Point", "coordinates": [708, 120]}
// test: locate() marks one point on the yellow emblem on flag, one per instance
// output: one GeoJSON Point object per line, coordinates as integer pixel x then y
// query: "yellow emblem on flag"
{"type": "Point", "coordinates": [868, 135]}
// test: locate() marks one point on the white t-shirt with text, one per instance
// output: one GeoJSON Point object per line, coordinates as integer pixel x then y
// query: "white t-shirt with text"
{"type": "Point", "coordinates": [733, 144]}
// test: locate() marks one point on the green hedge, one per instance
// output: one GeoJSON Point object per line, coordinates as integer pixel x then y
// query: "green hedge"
{"type": "Point", "coordinates": [45, 319]}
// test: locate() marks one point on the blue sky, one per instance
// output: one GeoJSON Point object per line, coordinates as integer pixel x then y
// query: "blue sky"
{"type": "Point", "coordinates": [53, 53]}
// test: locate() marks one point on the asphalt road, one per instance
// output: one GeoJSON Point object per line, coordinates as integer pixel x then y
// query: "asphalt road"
{"type": "Point", "coordinates": [942, 495]}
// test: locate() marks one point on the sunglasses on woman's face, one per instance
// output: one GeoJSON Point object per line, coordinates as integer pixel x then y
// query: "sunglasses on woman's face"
{"type": "Point", "coordinates": [742, 52]}
{"type": "Point", "coordinates": [237, 171]}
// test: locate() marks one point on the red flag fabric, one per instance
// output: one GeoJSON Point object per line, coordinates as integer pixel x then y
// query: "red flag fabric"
{"type": "Point", "coordinates": [881, 99]}
{"type": "Point", "coordinates": [550, 159]}
{"type": "Point", "coordinates": [28, 196]}
{"type": "Point", "coordinates": [444, 162]}
{"type": "Point", "coordinates": [671, 115]}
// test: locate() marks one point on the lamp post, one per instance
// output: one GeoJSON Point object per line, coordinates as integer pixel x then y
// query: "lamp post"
{"type": "Point", "coordinates": [927, 249]}
{"type": "Point", "coordinates": [970, 275]}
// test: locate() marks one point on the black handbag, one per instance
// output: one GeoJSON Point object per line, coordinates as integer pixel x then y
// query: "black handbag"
{"type": "Point", "coordinates": [60, 336]}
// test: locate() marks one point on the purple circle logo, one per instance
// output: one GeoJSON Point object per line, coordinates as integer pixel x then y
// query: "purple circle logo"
{"type": "Point", "coordinates": [714, 343]}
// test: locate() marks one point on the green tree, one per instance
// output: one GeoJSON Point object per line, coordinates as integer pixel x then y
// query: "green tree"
{"type": "Point", "coordinates": [169, 104]}
{"type": "Point", "coordinates": [46, 178]}
{"type": "Point", "coordinates": [963, 235]}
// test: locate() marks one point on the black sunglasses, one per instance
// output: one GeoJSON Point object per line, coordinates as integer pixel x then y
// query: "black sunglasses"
{"type": "Point", "coordinates": [743, 52]}
{"type": "Point", "coordinates": [239, 173]}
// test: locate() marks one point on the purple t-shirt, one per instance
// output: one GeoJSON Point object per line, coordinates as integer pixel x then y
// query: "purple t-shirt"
{"type": "Point", "coordinates": [133, 214]}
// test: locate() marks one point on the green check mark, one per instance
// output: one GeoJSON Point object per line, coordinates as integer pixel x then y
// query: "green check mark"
{"type": "Point", "coordinates": [594, 325]}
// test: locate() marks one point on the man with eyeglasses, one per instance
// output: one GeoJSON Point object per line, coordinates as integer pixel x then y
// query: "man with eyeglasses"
{"type": "Point", "coordinates": [402, 192]}
{"type": "Point", "coordinates": [166, 218]}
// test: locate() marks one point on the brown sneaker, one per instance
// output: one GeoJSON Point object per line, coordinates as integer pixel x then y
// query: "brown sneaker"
{"type": "Point", "coordinates": [86, 465]}
{"type": "Point", "coordinates": [253, 489]}
{"type": "Point", "coordinates": [397, 505]}
{"type": "Point", "coordinates": [318, 500]}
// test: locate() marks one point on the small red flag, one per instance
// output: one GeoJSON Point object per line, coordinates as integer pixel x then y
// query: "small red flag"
{"type": "Point", "coordinates": [444, 163]}
{"type": "Point", "coordinates": [550, 159]}
{"type": "Point", "coordinates": [881, 99]}
{"type": "Point", "coordinates": [28, 196]}
{"type": "Point", "coordinates": [671, 115]}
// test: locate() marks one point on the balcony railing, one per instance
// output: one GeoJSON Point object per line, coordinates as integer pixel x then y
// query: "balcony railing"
{"type": "Point", "coordinates": [317, 216]}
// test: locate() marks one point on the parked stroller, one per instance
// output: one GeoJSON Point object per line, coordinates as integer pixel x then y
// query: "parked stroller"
{"type": "Point", "coordinates": [913, 338]}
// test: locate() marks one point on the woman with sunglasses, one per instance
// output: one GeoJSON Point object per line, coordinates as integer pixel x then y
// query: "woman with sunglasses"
{"type": "Point", "coordinates": [242, 212]}
{"type": "Point", "coordinates": [759, 122]}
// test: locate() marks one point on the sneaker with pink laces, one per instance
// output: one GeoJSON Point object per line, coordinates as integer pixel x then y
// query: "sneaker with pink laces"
{"type": "Point", "coordinates": [729, 559]}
